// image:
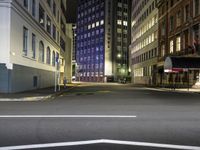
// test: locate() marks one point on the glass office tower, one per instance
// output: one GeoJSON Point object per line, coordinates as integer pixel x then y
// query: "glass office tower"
{"type": "Point", "coordinates": [96, 52]}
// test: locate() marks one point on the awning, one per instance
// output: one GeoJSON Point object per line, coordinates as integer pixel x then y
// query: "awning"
{"type": "Point", "coordinates": [178, 64]}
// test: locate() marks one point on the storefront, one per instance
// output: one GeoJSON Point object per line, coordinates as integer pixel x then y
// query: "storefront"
{"type": "Point", "coordinates": [182, 71]}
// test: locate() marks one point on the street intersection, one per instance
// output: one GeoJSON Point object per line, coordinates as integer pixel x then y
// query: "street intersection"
{"type": "Point", "coordinates": [103, 117]}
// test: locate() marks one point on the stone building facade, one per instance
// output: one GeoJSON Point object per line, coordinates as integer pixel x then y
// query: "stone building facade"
{"type": "Point", "coordinates": [33, 42]}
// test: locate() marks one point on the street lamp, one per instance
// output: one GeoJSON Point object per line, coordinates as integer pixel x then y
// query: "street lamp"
{"type": "Point", "coordinates": [57, 73]}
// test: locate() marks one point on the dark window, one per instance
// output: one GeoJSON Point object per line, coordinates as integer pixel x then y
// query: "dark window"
{"type": "Point", "coordinates": [171, 23]}
{"type": "Point", "coordinates": [58, 37]}
{"type": "Point", "coordinates": [178, 18]}
{"type": "Point", "coordinates": [48, 59]}
{"type": "Point", "coordinates": [63, 26]}
{"type": "Point", "coordinates": [53, 58]}
{"type": "Point", "coordinates": [48, 25]}
{"type": "Point", "coordinates": [54, 9]}
{"type": "Point", "coordinates": [62, 43]}
{"type": "Point", "coordinates": [187, 13]}
{"type": "Point", "coordinates": [33, 45]}
{"type": "Point", "coordinates": [35, 81]}
{"type": "Point", "coordinates": [41, 52]}
{"type": "Point", "coordinates": [172, 3]}
{"type": "Point", "coordinates": [41, 15]}
{"type": "Point", "coordinates": [49, 3]}
{"type": "Point", "coordinates": [25, 40]}
{"type": "Point", "coordinates": [196, 7]}
{"type": "Point", "coordinates": [57, 59]}
{"type": "Point", "coordinates": [54, 32]}
{"type": "Point", "coordinates": [26, 4]}
{"type": "Point", "coordinates": [33, 8]}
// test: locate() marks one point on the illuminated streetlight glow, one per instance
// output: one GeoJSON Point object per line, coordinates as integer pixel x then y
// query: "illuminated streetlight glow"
{"type": "Point", "coordinates": [119, 55]}
{"type": "Point", "coordinates": [123, 70]}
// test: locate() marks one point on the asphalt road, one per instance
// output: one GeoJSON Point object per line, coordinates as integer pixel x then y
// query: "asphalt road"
{"type": "Point", "coordinates": [92, 112]}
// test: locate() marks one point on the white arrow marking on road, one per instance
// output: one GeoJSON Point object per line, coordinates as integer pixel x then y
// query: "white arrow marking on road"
{"type": "Point", "coordinates": [101, 141]}
{"type": "Point", "coordinates": [66, 116]}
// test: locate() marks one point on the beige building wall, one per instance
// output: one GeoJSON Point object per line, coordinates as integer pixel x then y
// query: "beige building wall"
{"type": "Point", "coordinates": [68, 53]}
{"type": "Point", "coordinates": [144, 42]}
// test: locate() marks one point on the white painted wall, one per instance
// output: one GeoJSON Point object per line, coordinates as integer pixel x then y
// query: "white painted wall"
{"type": "Point", "coordinates": [19, 20]}
{"type": "Point", "coordinates": [4, 32]}
{"type": "Point", "coordinates": [68, 53]}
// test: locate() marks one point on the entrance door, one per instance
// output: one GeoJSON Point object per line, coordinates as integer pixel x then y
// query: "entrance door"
{"type": "Point", "coordinates": [35, 81]}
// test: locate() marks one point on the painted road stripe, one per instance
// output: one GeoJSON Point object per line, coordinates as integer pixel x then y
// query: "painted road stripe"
{"type": "Point", "coordinates": [101, 141]}
{"type": "Point", "coordinates": [66, 116]}
{"type": "Point", "coordinates": [156, 145]}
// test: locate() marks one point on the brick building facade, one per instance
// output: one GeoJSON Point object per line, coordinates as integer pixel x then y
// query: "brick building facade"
{"type": "Point", "coordinates": [178, 36]}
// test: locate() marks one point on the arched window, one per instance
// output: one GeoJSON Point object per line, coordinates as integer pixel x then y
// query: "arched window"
{"type": "Point", "coordinates": [48, 58]}
{"type": "Point", "coordinates": [53, 58]}
{"type": "Point", "coordinates": [41, 51]}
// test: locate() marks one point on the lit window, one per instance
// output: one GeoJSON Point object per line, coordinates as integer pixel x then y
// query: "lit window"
{"type": "Point", "coordinates": [97, 23]}
{"type": "Point", "coordinates": [102, 22]}
{"type": "Point", "coordinates": [93, 25]}
{"type": "Point", "coordinates": [153, 37]}
{"type": "Point", "coordinates": [163, 50]}
{"type": "Point", "coordinates": [125, 23]}
{"type": "Point", "coordinates": [171, 46]}
{"type": "Point", "coordinates": [178, 43]}
{"type": "Point", "coordinates": [119, 22]}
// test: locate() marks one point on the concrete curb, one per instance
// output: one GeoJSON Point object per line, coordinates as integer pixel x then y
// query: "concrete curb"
{"type": "Point", "coordinates": [61, 92]}
{"type": "Point", "coordinates": [175, 91]}
{"type": "Point", "coordinates": [36, 98]}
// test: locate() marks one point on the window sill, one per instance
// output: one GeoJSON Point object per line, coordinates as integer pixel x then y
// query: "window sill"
{"type": "Point", "coordinates": [30, 58]}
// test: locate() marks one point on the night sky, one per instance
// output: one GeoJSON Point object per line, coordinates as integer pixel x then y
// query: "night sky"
{"type": "Point", "coordinates": [71, 11]}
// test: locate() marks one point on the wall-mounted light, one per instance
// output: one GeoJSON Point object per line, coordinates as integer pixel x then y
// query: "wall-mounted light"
{"type": "Point", "coordinates": [13, 53]}
{"type": "Point", "coordinates": [122, 70]}
{"type": "Point", "coordinates": [119, 55]}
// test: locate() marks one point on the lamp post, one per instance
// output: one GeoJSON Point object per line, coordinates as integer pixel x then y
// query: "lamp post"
{"type": "Point", "coordinates": [57, 74]}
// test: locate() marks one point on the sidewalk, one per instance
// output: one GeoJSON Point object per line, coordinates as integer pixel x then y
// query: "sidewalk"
{"type": "Point", "coordinates": [179, 90]}
{"type": "Point", "coordinates": [35, 95]}
{"type": "Point", "coordinates": [183, 90]}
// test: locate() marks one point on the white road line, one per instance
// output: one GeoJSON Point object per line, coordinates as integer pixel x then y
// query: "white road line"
{"type": "Point", "coordinates": [157, 145]}
{"type": "Point", "coordinates": [101, 141]}
{"type": "Point", "coordinates": [66, 116]}
{"type": "Point", "coordinates": [49, 145]}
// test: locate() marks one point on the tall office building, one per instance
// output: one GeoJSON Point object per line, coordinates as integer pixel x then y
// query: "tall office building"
{"type": "Point", "coordinates": [33, 42]}
{"type": "Point", "coordinates": [102, 39]}
{"type": "Point", "coordinates": [144, 43]}
{"type": "Point", "coordinates": [121, 38]}
{"type": "Point", "coordinates": [74, 64]}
